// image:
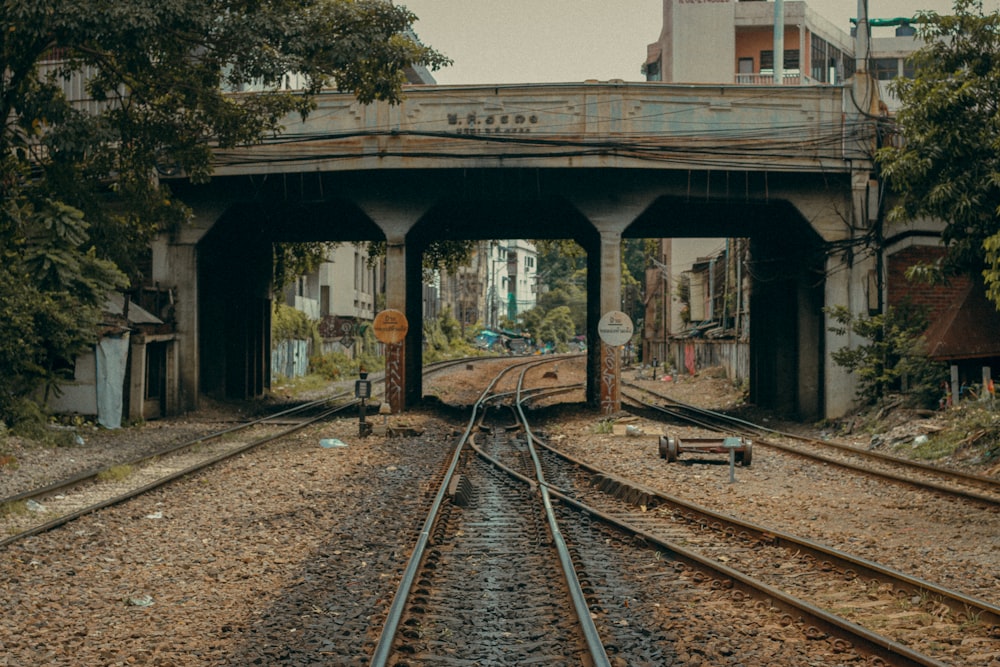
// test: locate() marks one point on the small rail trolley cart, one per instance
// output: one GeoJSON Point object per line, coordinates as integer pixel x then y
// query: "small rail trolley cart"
{"type": "Point", "coordinates": [671, 448]}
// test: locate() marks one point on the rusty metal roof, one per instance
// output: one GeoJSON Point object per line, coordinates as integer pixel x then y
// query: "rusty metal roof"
{"type": "Point", "coordinates": [968, 329]}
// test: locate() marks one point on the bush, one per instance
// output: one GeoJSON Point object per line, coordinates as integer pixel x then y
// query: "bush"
{"type": "Point", "coordinates": [287, 323]}
{"type": "Point", "coordinates": [894, 356]}
{"type": "Point", "coordinates": [338, 366]}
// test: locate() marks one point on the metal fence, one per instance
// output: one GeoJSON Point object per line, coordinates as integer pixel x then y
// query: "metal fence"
{"type": "Point", "coordinates": [290, 358]}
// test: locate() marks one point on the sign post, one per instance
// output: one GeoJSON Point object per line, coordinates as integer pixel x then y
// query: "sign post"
{"type": "Point", "coordinates": [390, 328]}
{"type": "Point", "coordinates": [615, 330]}
{"type": "Point", "coordinates": [363, 391]}
{"type": "Point", "coordinates": [732, 444]}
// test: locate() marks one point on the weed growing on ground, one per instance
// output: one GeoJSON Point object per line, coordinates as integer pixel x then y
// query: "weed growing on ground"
{"type": "Point", "coordinates": [605, 426]}
{"type": "Point", "coordinates": [13, 508]}
{"type": "Point", "coordinates": [115, 473]}
{"type": "Point", "coordinates": [972, 432]}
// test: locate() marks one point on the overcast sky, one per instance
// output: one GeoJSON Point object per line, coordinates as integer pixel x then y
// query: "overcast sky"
{"type": "Point", "coordinates": [546, 41]}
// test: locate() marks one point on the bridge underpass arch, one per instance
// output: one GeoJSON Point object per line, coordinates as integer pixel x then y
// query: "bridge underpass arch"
{"type": "Point", "coordinates": [235, 279]}
{"type": "Point", "coordinates": [786, 272]}
{"type": "Point", "coordinates": [493, 217]}
{"type": "Point", "coordinates": [410, 208]}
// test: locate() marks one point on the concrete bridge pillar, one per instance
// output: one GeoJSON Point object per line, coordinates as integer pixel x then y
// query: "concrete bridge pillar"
{"type": "Point", "coordinates": [853, 282]}
{"type": "Point", "coordinates": [610, 299]}
{"type": "Point", "coordinates": [610, 216]}
{"type": "Point", "coordinates": [403, 374]}
{"type": "Point", "coordinates": [176, 264]}
{"type": "Point", "coordinates": [395, 299]}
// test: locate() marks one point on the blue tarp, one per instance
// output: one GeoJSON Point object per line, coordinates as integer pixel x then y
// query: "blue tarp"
{"type": "Point", "coordinates": [112, 359]}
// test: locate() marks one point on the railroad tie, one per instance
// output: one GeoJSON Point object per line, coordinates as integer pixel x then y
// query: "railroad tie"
{"type": "Point", "coordinates": [461, 490]}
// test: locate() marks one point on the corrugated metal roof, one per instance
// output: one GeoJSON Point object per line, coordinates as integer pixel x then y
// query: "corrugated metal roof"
{"type": "Point", "coordinates": [969, 329]}
{"type": "Point", "coordinates": [115, 305]}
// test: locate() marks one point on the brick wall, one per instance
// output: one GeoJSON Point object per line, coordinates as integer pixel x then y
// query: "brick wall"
{"type": "Point", "coordinates": [900, 290]}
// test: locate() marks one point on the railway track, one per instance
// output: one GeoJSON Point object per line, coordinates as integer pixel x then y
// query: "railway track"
{"type": "Point", "coordinates": [965, 486]}
{"type": "Point", "coordinates": [661, 584]}
{"type": "Point", "coordinates": [942, 624]}
{"type": "Point", "coordinates": [59, 503]}
{"type": "Point", "coordinates": [490, 581]}
{"type": "Point", "coordinates": [628, 558]}
{"type": "Point", "coordinates": [53, 505]}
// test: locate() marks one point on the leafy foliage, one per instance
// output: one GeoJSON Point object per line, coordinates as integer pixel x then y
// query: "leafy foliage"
{"type": "Point", "coordinates": [51, 297]}
{"type": "Point", "coordinates": [562, 265]}
{"type": "Point", "coordinates": [636, 256]}
{"type": "Point", "coordinates": [287, 323]}
{"type": "Point", "coordinates": [292, 260]}
{"type": "Point", "coordinates": [556, 327]}
{"type": "Point", "coordinates": [443, 338]}
{"type": "Point", "coordinates": [78, 183]}
{"type": "Point", "coordinates": [894, 353]}
{"type": "Point", "coordinates": [948, 162]}
{"type": "Point", "coordinates": [439, 255]}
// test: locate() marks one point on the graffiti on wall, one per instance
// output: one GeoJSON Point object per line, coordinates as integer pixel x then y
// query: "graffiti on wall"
{"type": "Point", "coordinates": [394, 377]}
{"type": "Point", "coordinates": [610, 387]}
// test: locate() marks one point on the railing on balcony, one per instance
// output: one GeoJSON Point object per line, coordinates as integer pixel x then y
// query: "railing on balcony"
{"type": "Point", "coordinates": [765, 78]}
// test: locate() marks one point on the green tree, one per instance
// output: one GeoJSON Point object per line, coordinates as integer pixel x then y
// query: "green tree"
{"type": "Point", "coordinates": [53, 314]}
{"type": "Point", "coordinates": [557, 327]}
{"type": "Point", "coordinates": [446, 255]}
{"type": "Point", "coordinates": [637, 256]}
{"type": "Point", "coordinates": [894, 355]}
{"type": "Point", "coordinates": [157, 74]}
{"type": "Point", "coordinates": [560, 261]}
{"type": "Point", "coordinates": [947, 163]}
{"type": "Point", "coordinates": [292, 260]}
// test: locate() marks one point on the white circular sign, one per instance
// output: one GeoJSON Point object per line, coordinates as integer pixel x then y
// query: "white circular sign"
{"type": "Point", "coordinates": [615, 328]}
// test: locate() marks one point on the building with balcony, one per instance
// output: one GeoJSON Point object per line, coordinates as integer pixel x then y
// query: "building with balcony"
{"type": "Point", "coordinates": [733, 41]}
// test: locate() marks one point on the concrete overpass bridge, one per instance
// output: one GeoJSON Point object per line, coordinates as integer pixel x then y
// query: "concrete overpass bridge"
{"type": "Point", "coordinates": [787, 167]}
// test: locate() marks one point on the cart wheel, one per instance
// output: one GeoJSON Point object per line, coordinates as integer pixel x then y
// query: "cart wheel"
{"type": "Point", "coordinates": [747, 456]}
{"type": "Point", "coordinates": [668, 449]}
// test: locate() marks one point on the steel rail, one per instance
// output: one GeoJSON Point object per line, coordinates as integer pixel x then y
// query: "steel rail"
{"type": "Point", "coordinates": [872, 643]}
{"type": "Point", "coordinates": [984, 481]}
{"type": "Point", "coordinates": [956, 601]}
{"type": "Point", "coordinates": [133, 493]}
{"type": "Point", "coordinates": [865, 640]}
{"type": "Point", "coordinates": [733, 424]}
{"type": "Point", "coordinates": [383, 649]}
{"type": "Point", "coordinates": [92, 474]}
{"type": "Point", "coordinates": [590, 632]}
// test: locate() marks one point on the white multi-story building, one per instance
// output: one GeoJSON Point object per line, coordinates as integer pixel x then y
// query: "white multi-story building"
{"type": "Point", "coordinates": [342, 293]}
{"type": "Point", "coordinates": [509, 269]}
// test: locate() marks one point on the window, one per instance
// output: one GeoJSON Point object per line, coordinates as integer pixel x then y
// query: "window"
{"type": "Point", "coordinates": [652, 71]}
{"type": "Point", "coordinates": [791, 59]}
{"type": "Point", "coordinates": [885, 69]}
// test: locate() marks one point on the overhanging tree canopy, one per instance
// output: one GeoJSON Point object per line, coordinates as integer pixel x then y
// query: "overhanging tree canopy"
{"type": "Point", "coordinates": [947, 164]}
{"type": "Point", "coordinates": [157, 74]}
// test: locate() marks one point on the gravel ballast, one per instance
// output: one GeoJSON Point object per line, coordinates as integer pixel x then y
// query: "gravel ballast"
{"type": "Point", "coordinates": [291, 555]}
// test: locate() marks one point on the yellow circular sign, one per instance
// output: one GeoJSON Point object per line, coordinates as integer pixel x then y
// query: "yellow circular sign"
{"type": "Point", "coordinates": [390, 327]}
